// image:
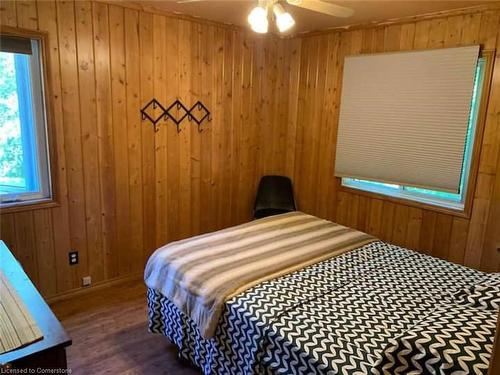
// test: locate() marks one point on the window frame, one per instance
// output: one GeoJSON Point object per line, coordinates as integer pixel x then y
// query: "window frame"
{"type": "Point", "coordinates": [436, 205]}
{"type": "Point", "coordinates": [45, 100]}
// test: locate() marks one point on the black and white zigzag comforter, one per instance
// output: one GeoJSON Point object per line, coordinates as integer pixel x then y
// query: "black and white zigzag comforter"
{"type": "Point", "coordinates": [380, 309]}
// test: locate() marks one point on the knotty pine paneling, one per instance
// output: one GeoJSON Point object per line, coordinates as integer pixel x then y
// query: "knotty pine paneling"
{"type": "Point", "coordinates": [125, 190]}
{"type": "Point", "coordinates": [312, 123]}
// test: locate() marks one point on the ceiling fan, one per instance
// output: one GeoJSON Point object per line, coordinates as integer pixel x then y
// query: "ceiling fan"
{"type": "Point", "coordinates": [258, 17]}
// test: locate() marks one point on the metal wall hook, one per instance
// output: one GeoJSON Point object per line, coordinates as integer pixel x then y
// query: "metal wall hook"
{"type": "Point", "coordinates": [176, 118]}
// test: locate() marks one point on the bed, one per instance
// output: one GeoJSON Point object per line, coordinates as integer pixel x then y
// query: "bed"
{"type": "Point", "coordinates": [372, 308]}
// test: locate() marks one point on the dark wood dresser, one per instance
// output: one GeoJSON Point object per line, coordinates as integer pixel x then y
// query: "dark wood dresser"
{"type": "Point", "coordinates": [49, 352]}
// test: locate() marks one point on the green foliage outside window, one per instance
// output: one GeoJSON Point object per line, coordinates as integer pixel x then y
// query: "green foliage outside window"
{"type": "Point", "coordinates": [11, 151]}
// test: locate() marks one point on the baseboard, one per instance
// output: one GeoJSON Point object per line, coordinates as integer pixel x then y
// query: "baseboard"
{"type": "Point", "coordinates": [73, 293]}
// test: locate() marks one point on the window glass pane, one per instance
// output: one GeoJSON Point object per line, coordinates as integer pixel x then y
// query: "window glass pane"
{"type": "Point", "coordinates": [12, 177]}
{"type": "Point", "coordinates": [375, 184]}
{"type": "Point", "coordinates": [378, 184]}
{"type": "Point", "coordinates": [26, 118]}
{"type": "Point", "coordinates": [434, 193]}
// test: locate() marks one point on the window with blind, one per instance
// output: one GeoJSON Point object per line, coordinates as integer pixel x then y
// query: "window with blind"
{"type": "Point", "coordinates": [24, 158]}
{"type": "Point", "coordinates": [407, 124]}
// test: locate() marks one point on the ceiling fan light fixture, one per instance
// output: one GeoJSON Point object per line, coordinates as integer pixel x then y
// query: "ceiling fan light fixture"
{"type": "Point", "coordinates": [284, 20]}
{"type": "Point", "coordinates": [258, 20]}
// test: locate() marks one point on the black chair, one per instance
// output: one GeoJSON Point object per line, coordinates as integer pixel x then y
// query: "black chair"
{"type": "Point", "coordinates": [274, 196]}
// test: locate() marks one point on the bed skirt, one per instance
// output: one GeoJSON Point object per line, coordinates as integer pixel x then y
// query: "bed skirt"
{"type": "Point", "coordinates": [217, 355]}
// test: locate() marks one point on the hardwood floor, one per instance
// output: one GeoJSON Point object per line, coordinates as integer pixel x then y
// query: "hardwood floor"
{"type": "Point", "coordinates": [110, 336]}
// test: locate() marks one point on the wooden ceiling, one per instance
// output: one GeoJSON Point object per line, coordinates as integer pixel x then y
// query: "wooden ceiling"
{"type": "Point", "coordinates": [365, 11]}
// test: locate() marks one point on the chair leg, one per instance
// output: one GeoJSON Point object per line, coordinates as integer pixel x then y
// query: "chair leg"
{"type": "Point", "coordinates": [183, 361]}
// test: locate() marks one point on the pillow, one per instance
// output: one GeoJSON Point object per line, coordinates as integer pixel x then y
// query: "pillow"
{"type": "Point", "coordinates": [484, 296]}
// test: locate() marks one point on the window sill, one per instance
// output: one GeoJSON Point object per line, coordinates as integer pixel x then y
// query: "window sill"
{"type": "Point", "coordinates": [463, 213]}
{"type": "Point", "coordinates": [28, 206]}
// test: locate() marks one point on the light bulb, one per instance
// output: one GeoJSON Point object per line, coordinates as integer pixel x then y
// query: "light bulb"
{"type": "Point", "coordinates": [258, 20]}
{"type": "Point", "coordinates": [284, 20]}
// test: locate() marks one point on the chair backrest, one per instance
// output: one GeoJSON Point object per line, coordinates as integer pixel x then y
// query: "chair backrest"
{"type": "Point", "coordinates": [274, 196]}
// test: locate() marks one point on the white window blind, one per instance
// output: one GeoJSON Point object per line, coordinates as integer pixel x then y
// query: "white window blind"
{"type": "Point", "coordinates": [404, 116]}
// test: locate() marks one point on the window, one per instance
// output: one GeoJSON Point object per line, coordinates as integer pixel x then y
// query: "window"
{"type": "Point", "coordinates": [436, 197]}
{"type": "Point", "coordinates": [24, 159]}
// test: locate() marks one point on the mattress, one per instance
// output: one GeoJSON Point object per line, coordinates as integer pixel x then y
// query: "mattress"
{"type": "Point", "coordinates": [379, 309]}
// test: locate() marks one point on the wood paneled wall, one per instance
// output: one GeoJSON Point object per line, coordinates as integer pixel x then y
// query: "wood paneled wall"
{"type": "Point", "coordinates": [125, 190]}
{"type": "Point", "coordinates": [314, 115]}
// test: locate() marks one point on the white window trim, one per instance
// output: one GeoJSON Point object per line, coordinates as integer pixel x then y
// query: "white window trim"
{"type": "Point", "coordinates": [41, 135]}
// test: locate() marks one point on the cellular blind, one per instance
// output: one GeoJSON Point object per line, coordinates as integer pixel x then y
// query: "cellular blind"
{"type": "Point", "coordinates": [404, 116]}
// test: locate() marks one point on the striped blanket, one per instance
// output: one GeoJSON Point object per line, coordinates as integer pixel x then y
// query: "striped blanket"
{"type": "Point", "coordinates": [200, 274]}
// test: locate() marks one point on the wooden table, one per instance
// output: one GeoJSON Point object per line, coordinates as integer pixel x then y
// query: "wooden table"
{"type": "Point", "coordinates": [48, 353]}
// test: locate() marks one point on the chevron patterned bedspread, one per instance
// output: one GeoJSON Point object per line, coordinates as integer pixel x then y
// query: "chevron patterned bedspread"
{"type": "Point", "coordinates": [380, 309]}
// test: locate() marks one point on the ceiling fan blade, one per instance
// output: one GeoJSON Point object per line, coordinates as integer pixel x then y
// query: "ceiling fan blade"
{"type": "Point", "coordinates": [323, 7]}
{"type": "Point", "coordinates": [188, 1]}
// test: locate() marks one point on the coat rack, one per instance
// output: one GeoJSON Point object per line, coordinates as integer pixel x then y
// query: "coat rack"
{"type": "Point", "coordinates": [198, 113]}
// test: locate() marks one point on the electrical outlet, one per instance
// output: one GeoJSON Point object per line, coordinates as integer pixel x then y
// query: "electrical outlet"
{"type": "Point", "coordinates": [86, 281]}
{"type": "Point", "coordinates": [73, 258]}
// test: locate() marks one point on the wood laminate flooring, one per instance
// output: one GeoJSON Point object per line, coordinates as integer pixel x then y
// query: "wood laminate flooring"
{"type": "Point", "coordinates": [110, 335]}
